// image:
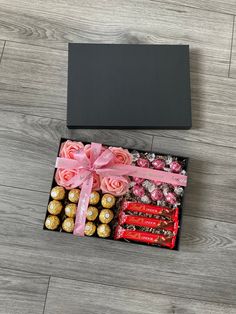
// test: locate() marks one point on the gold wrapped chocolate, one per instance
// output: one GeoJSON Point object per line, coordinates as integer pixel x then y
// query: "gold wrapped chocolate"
{"type": "Point", "coordinates": [106, 216]}
{"type": "Point", "coordinates": [52, 222]}
{"type": "Point", "coordinates": [58, 193]}
{"type": "Point", "coordinates": [108, 201]}
{"type": "Point", "coordinates": [55, 207]}
{"type": "Point", "coordinates": [68, 225]}
{"type": "Point", "coordinates": [92, 213]}
{"type": "Point", "coordinates": [89, 229]}
{"type": "Point", "coordinates": [103, 231]}
{"type": "Point", "coordinates": [73, 195]}
{"type": "Point", "coordinates": [94, 198]}
{"type": "Point", "coordinates": [70, 210]}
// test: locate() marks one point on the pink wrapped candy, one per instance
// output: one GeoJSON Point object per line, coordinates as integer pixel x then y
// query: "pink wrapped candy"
{"type": "Point", "coordinates": [175, 166]}
{"type": "Point", "coordinates": [157, 182]}
{"type": "Point", "coordinates": [171, 198]}
{"type": "Point", "coordinates": [158, 164]}
{"type": "Point", "coordinates": [138, 180]}
{"type": "Point", "coordinates": [141, 162]}
{"type": "Point", "coordinates": [157, 195]}
{"type": "Point", "coordinates": [138, 190]}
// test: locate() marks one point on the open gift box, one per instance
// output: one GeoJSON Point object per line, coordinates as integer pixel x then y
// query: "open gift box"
{"type": "Point", "coordinates": [116, 193]}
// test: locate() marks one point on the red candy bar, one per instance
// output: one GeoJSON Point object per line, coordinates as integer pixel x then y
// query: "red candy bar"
{"type": "Point", "coordinates": [145, 237]}
{"type": "Point", "coordinates": [151, 209]}
{"type": "Point", "coordinates": [148, 222]}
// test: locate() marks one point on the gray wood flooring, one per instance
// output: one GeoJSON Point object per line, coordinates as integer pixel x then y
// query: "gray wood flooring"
{"type": "Point", "coordinates": [46, 272]}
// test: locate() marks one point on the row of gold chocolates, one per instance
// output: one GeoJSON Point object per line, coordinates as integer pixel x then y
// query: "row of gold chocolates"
{"type": "Point", "coordinates": [63, 206]}
{"type": "Point", "coordinates": [98, 220]}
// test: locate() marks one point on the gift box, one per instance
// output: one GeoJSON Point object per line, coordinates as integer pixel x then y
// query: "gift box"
{"type": "Point", "coordinates": [117, 194]}
{"type": "Point", "coordinates": [112, 85]}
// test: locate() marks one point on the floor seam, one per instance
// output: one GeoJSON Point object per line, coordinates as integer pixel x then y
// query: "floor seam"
{"type": "Point", "coordinates": [45, 301]}
{"type": "Point", "coordinates": [231, 48]}
{"type": "Point", "coordinates": [3, 48]}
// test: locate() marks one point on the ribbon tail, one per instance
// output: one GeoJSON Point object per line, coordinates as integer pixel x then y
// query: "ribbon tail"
{"type": "Point", "coordinates": [83, 206]}
{"type": "Point", "coordinates": [145, 173]}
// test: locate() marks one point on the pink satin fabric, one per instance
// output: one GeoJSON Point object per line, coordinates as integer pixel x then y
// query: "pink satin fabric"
{"type": "Point", "coordinates": [103, 163]}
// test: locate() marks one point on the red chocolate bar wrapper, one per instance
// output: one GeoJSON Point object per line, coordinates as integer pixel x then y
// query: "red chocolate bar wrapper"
{"type": "Point", "coordinates": [151, 209]}
{"type": "Point", "coordinates": [148, 222]}
{"type": "Point", "coordinates": [144, 237]}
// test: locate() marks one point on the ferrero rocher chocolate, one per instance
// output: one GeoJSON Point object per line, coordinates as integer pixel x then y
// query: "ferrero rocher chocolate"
{"type": "Point", "coordinates": [58, 193]}
{"type": "Point", "coordinates": [92, 213]}
{"type": "Point", "coordinates": [52, 222]}
{"type": "Point", "coordinates": [73, 195]}
{"type": "Point", "coordinates": [68, 225]}
{"type": "Point", "coordinates": [55, 207]}
{"type": "Point", "coordinates": [106, 216]}
{"type": "Point", "coordinates": [89, 229]}
{"type": "Point", "coordinates": [94, 198]}
{"type": "Point", "coordinates": [70, 210]}
{"type": "Point", "coordinates": [103, 231]}
{"type": "Point", "coordinates": [108, 201]}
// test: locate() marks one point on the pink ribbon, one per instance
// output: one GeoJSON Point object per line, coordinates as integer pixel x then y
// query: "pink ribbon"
{"type": "Point", "coordinates": [103, 163]}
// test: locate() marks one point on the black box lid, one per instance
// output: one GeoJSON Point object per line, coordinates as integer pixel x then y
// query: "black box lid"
{"type": "Point", "coordinates": [128, 86]}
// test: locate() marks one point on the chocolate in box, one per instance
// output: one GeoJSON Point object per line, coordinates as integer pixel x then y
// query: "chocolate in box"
{"type": "Point", "coordinates": [130, 197]}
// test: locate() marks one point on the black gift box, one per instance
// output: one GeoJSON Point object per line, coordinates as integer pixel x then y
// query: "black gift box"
{"type": "Point", "coordinates": [128, 86]}
{"type": "Point", "coordinates": [180, 158]}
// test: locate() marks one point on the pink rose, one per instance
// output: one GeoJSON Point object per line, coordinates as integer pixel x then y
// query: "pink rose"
{"type": "Point", "coordinates": [96, 182]}
{"type": "Point", "coordinates": [115, 185]}
{"type": "Point", "coordinates": [68, 149]}
{"type": "Point", "coordinates": [63, 176]}
{"type": "Point", "coordinates": [122, 155]}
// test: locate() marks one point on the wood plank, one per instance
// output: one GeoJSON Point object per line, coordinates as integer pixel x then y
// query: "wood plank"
{"type": "Point", "coordinates": [97, 298]}
{"type": "Point", "coordinates": [223, 6]}
{"type": "Point", "coordinates": [211, 189]}
{"type": "Point", "coordinates": [33, 79]}
{"type": "Point", "coordinates": [232, 72]}
{"type": "Point", "coordinates": [22, 292]}
{"type": "Point", "coordinates": [39, 88]}
{"type": "Point", "coordinates": [212, 123]}
{"type": "Point", "coordinates": [56, 23]}
{"type": "Point", "coordinates": [29, 145]}
{"type": "Point", "coordinates": [203, 269]}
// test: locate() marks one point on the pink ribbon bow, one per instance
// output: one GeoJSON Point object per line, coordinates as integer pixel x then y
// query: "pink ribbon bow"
{"type": "Point", "coordinates": [103, 163]}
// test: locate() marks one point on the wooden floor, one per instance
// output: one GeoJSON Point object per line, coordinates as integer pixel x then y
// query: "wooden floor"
{"type": "Point", "coordinates": [44, 272]}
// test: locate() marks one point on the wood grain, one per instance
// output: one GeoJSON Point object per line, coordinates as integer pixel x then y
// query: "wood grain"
{"type": "Point", "coordinates": [90, 298]}
{"type": "Point", "coordinates": [232, 72]}
{"type": "Point", "coordinates": [22, 292]}
{"type": "Point", "coordinates": [203, 269]}
{"type": "Point", "coordinates": [227, 6]}
{"type": "Point", "coordinates": [56, 23]}
{"type": "Point", "coordinates": [33, 79]}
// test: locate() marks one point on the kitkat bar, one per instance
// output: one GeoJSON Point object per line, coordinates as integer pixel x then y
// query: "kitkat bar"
{"type": "Point", "coordinates": [145, 237]}
{"type": "Point", "coordinates": [171, 213]}
{"type": "Point", "coordinates": [148, 222]}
